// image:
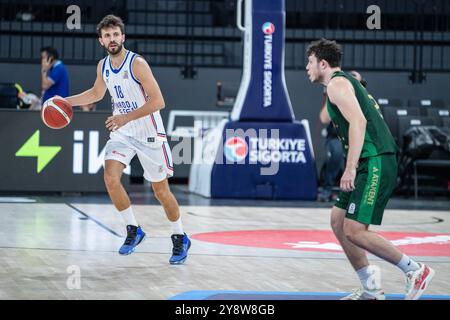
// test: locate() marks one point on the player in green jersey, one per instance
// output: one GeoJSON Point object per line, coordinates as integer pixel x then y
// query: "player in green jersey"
{"type": "Point", "coordinates": [369, 177]}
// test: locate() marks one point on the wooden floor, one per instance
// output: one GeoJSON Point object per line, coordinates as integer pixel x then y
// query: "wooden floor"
{"type": "Point", "coordinates": [41, 244]}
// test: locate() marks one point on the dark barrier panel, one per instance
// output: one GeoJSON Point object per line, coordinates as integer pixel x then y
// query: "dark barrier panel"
{"type": "Point", "coordinates": [34, 157]}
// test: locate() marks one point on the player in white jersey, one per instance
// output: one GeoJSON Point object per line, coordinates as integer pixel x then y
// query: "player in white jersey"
{"type": "Point", "coordinates": [136, 129]}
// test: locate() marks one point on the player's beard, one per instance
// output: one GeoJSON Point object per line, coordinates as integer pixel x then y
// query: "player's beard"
{"type": "Point", "coordinates": [317, 78]}
{"type": "Point", "coordinates": [116, 50]}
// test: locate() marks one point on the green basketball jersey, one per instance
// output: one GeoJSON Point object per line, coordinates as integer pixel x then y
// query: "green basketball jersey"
{"type": "Point", "coordinates": [378, 139]}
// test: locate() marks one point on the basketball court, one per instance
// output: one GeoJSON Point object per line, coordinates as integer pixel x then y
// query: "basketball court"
{"type": "Point", "coordinates": [240, 249]}
{"type": "Point", "coordinates": [247, 143]}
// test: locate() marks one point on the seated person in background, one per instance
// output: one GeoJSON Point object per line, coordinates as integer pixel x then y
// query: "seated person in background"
{"type": "Point", "coordinates": [27, 100]}
{"type": "Point", "coordinates": [54, 75]}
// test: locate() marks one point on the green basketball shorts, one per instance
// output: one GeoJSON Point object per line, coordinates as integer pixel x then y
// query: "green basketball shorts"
{"type": "Point", "coordinates": [376, 178]}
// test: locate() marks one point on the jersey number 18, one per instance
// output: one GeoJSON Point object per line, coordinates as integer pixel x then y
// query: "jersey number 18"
{"type": "Point", "coordinates": [119, 92]}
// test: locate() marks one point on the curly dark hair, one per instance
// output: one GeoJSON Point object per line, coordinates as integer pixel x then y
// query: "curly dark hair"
{"type": "Point", "coordinates": [110, 21]}
{"type": "Point", "coordinates": [327, 50]}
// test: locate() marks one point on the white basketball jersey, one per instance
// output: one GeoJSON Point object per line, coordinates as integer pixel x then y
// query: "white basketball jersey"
{"type": "Point", "coordinates": [127, 94]}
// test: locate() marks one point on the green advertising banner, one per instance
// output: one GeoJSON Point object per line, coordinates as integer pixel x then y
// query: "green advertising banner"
{"type": "Point", "coordinates": [34, 157]}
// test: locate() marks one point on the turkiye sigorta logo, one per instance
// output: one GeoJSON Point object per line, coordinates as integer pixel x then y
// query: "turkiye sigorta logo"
{"type": "Point", "coordinates": [235, 149]}
{"type": "Point", "coordinates": [268, 28]}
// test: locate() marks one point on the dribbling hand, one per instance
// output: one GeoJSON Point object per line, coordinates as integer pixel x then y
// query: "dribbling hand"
{"type": "Point", "coordinates": [115, 122]}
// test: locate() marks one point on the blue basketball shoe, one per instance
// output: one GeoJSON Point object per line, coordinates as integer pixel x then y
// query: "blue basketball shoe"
{"type": "Point", "coordinates": [135, 236]}
{"type": "Point", "coordinates": [181, 245]}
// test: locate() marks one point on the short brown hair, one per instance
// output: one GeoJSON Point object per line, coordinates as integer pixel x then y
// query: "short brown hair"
{"type": "Point", "coordinates": [327, 50]}
{"type": "Point", "coordinates": [110, 21]}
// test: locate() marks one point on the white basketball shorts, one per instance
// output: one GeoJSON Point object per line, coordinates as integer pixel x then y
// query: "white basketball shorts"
{"type": "Point", "coordinates": [155, 156]}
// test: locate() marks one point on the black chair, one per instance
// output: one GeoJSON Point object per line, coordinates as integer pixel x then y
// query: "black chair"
{"type": "Point", "coordinates": [392, 114]}
{"type": "Point", "coordinates": [426, 103]}
{"type": "Point", "coordinates": [446, 122]}
{"type": "Point", "coordinates": [393, 102]}
{"type": "Point", "coordinates": [406, 122]}
{"type": "Point", "coordinates": [8, 96]}
{"type": "Point", "coordinates": [226, 93]}
{"type": "Point", "coordinates": [438, 115]}
{"type": "Point", "coordinates": [434, 174]}
{"type": "Point", "coordinates": [431, 166]}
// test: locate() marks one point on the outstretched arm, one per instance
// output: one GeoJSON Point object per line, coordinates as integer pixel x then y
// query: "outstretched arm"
{"type": "Point", "coordinates": [94, 94]}
{"type": "Point", "coordinates": [342, 94]}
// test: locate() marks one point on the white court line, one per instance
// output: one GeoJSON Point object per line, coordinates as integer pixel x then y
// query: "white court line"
{"type": "Point", "coordinates": [16, 199]}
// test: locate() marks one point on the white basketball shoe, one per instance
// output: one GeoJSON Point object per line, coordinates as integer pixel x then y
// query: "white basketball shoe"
{"type": "Point", "coordinates": [371, 289]}
{"type": "Point", "coordinates": [364, 294]}
{"type": "Point", "coordinates": [418, 281]}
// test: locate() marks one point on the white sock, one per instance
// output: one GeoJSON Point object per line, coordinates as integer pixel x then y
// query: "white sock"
{"type": "Point", "coordinates": [177, 226]}
{"type": "Point", "coordinates": [407, 264]}
{"type": "Point", "coordinates": [370, 277]}
{"type": "Point", "coordinates": [128, 217]}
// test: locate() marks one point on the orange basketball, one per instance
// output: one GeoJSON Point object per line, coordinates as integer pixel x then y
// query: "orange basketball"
{"type": "Point", "coordinates": [56, 113]}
